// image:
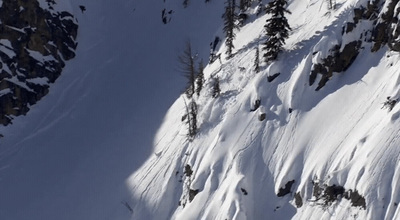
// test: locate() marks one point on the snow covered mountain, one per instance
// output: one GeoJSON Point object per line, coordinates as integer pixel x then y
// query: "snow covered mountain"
{"type": "Point", "coordinates": [306, 137]}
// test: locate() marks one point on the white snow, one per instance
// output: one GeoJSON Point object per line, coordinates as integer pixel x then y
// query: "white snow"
{"type": "Point", "coordinates": [39, 81]}
{"type": "Point", "coordinates": [106, 141]}
{"type": "Point", "coordinates": [6, 47]}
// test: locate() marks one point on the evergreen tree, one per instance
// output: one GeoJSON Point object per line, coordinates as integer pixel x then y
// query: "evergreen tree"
{"type": "Point", "coordinates": [331, 4]}
{"type": "Point", "coordinates": [257, 60]}
{"type": "Point", "coordinates": [277, 29]}
{"type": "Point", "coordinates": [230, 25]}
{"type": "Point", "coordinates": [216, 90]}
{"type": "Point", "coordinates": [187, 61]}
{"type": "Point", "coordinates": [200, 78]}
{"type": "Point", "coordinates": [244, 5]}
{"type": "Point", "coordinates": [192, 119]}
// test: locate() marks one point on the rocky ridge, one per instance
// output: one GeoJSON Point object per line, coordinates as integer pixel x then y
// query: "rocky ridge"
{"type": "Point", "coordinates": [34, 45]}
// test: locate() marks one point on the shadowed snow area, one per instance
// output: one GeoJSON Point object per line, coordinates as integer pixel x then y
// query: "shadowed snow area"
{"type": "Point", "coordinates": [109, 140]}
{"type": "Point", "coordinates": [70, 156]}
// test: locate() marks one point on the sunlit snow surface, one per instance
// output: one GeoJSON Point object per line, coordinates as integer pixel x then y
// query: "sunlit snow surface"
{"type": "Point", "coordinates": [338, 135]}
{"type": "Point", "coordinates": [103, 142]}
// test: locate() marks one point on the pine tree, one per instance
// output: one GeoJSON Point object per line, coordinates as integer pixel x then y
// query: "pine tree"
{"type": "Point", "coordinates": [331, 4]}
{"type": "Point", "coordinates": [244, 5]}
{"type": "Point", "coordinates": [50, 3]}
{"type": "Point", "coordinates": [200, 78]}
{"type": "Point", "coordinates": [277, 29]}
{"type": "Point", "coordinates": [216, 90]}
{"type": "Point", "coordinates": [257, 60]}
{"type": "Point", "coordinates": [187, 61]}
{"type": "Point", "coordinates": [230, 25]}
{"type": "Point", "coordinates": [192, 120]}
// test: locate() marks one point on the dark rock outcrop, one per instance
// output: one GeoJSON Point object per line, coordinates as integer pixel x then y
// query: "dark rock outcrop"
{"type": "Point", "coordinates": [339, 61]}
{"type": "Point", "coordinates": [298, 200]}
{"type": "Point", "coordinates": [356, 199]}
{"type": "Point", "coordinates": [34, 45]}
{"type": "Point", "coordinates": [286, 190]}
{"type": "Point", "coordinates": [192, 194]}
{"type": "Point", "coordinates": [328, 194]}
{"type": "Point", "coordinates": [379, 29]}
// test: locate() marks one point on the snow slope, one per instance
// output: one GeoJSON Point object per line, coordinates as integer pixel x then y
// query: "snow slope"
{"type": "Point", "coordinates": [94, 148]}
{"type": "Point", "coordinates": [70, 156]}
{"type": "Point", "coordinates": [238, 164]}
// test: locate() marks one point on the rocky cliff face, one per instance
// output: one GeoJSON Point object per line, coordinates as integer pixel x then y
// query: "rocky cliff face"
{"type": "Point", "coordinates": [374, 21]}
{"type": "Point", "coordinates": [34, 45]}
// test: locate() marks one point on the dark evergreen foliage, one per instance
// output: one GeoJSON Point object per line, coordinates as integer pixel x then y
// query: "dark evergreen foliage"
{"type": "Point", "coordinates": [244, 5]}
{"type": "Point", "coordinates": [192, 119]}
{"type": "Point", "coordinates": [257, 60]}
{"type": "Point", "coordinates": [200, 78]}
{"type": "Point", "coordinates": [331, 4]}
{"type": "Point", "coordinates": [260, 8]}
{"type": "Point", "coordinates": [216, 90]}
{"type": "Point", "coordinates": [277, 29]}
{"type": "Point", "coordinates": [230, 24]}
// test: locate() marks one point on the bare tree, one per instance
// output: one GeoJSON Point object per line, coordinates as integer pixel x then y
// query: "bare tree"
{"type": "Point", "coordinates": [187, 66]}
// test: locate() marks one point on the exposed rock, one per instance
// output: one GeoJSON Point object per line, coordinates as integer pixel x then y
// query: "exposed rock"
{"type": "Point", "coordinates": [188, 170]}
{"type": "Point", "coordinates": [356, 199]}
{"type": "Point", "coordinates": [358, 14]}
{"type": "Point", "coordinates": [385, 29]}
{"type": "Point", "coordinates": [394, 37]}
{"type": "Point", "coordinates": [244, 191]}
{"type": "Point", "coordinates": [298, 200]}
{"type": "Point", "coordinates": [347, 56]}
{"type": "Point", "coordinates": [262, 117]}
{"type": "Point", "coordinates": [381, 32]}
{"type": "Point", "coordinates": [339, 61]}
{"type": "Point", "coordinates": [288, 189]}
{"type": "Point", "coordinates": [272, 77]}
{"type": "Point", "coordinates": [34, 45]}
{"type": "Point", "coordinates": [332, 193]}
{"type": "Point", "coordinates": [257, 104]}
{"type": "Point", "coordinates": [317, 190]}
{"type": "Point", "coordinates": [329, 194]}
{"type": "Point", "coordinates": [349, 27]}
{"type": "Point", "coordinates": [192, 194]}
